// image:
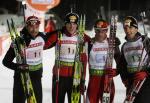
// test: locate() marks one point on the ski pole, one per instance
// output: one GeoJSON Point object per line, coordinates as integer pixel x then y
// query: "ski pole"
{"type": "Point", "coordinates": [58, 64]}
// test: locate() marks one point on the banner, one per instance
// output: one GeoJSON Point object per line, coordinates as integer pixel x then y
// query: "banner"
{"type": "Point", "coordinates": [29, 11]}
{"type": "Point", "coordinates": [38, 8]}
{"type": "Point", "coordinates": [43, 5]}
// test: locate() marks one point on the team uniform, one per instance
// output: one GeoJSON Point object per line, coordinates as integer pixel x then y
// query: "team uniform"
{"type": "Point", "coordinates": [34, 48]}
{"type": "Point", "coordinates": [97, 60]}
{"type": "Point", "coordinates": [131, 55]}
{"type": "Point", "coordinates": [65, 58]}
{"type": "Point", "coordinates": [50, 25]}
{"type": "Point", "coordinates": [135, 61]}
{"type": "Point", "coordinates": [67, 51]}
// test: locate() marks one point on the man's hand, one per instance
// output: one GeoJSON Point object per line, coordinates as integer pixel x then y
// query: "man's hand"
{"type": "Point", "coordinates": [111, 72]}
{"type": "Point", "coordinates": [23, 67]}
{"type": "Point", "coordinates": [140, 76]}
{"type": "Point", "coordinates": [83, 57]}
{"type": "Point", "coordinates": [82, 88]}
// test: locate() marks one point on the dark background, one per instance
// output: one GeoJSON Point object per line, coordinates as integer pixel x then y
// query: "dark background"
{"type": "Point", "coordinates": [91, 8]}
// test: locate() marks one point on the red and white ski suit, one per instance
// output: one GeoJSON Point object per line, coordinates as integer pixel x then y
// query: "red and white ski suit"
{"type": "Point", "coordinates": [66, 68]}
{"type": "Point", "coordinates": [97, 61]}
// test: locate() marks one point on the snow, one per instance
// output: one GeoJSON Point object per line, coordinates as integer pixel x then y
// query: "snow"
{"type": "Point", "coordinates": [6, 75]}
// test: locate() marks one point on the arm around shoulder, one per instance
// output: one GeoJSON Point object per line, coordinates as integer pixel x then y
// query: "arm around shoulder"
{"type": "Point", "coordinates": [8, 59]}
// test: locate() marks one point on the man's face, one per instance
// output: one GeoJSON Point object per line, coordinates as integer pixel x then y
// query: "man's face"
{"type": "Point", "coordinates": [129, 30]}
{"type": "Point", "coordinates": [101, 29]}
{"type": "Point", "coordinates": [101, 32]}
{"type": "Point", "coordinates": [33, 30]}
{"type": "Point", "coordinates": [71, 27]}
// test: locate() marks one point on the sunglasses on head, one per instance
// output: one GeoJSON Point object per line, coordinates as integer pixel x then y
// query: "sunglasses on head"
{"type": "Point", "coordinates": [33, 22]}
{"type": "Point", "coordinates": [100, 29]}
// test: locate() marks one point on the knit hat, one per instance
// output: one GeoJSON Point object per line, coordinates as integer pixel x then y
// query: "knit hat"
{"type": "Point", "coordinates": [102, 24]}
{"type": "Point", "coordinates": [71, 18]}
{"type": "Point", "coordinates": [33, 20]}
{"type": "Point", "coordinates": [130, 21]}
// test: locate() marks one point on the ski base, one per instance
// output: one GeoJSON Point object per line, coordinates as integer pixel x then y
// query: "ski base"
{"type": "Point", "coordinates": [106, 98]}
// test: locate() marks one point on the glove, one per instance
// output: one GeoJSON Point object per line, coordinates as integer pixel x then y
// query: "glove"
{"type": "Point", "coordinates": [83, 57]}
{"type": "Point", "coordinates": [82, 88]}
{"type": "Point", "coordinates": [111, 72]}
{"type": "Point", "coordinates": [117, 41]}
{"type": "Point", "coordinates": [23, 67]}
{"type": "Point", "coordinates": [140, 76]}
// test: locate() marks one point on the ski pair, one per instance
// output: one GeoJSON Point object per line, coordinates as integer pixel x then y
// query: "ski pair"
{"type": "Point", "coordinates": [75, 95]}
{"type": "Point", "coordinates": [109, 60]}
{"type": "Point", "coordinates": [57, 52]}
{"type": "Point", "coordinates": [134, 91]}
{"type": "Point", "coordinates": [135, 88]}
{"type": "Point", "coordinates": [78, 65]}
{"type": "Point", "coordinates": [20, 52]}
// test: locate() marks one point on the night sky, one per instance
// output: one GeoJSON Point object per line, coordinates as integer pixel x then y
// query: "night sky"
{"type": "Point", "coordinates": [12, 5]}
{"type": "Point", "coordinates": [88, 7]}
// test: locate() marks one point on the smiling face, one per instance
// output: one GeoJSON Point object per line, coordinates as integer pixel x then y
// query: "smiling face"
{"type": "Point", "coordinates": [129, 29]}
{"type": "Point", "coordinates": [32, 25]}
{"type": "Point", "coordinates": [33, 30]}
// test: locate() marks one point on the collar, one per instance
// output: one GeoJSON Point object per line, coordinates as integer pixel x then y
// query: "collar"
{"type": "Point", "coordinates": [68, 34]}
{"type": "Point", "coordinates": [103, 41]}
{"type": "Point", "coordinates": [136, 37]}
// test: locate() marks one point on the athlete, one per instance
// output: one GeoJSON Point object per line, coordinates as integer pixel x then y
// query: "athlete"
{"type": "Point", "coordinates": [98, 52]}
{"type": "Point", "coordinates": [135, 60]}
{"type": "Point", "coordinates": [34, 45]}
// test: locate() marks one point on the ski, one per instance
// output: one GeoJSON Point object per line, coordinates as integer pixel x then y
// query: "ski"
{"type": "Point", "coordinates": [57, 52]}
{"type": "Point", "coordinates": [78, 66]}
{"type": "Point", "coordinates": [134, 91]}
{"type": "Point", "coordinates": [135, 88]}
{"type": "Point", "coordinates": [19, 48]}
{"type": "Point", "coordinates": [109, 60]}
